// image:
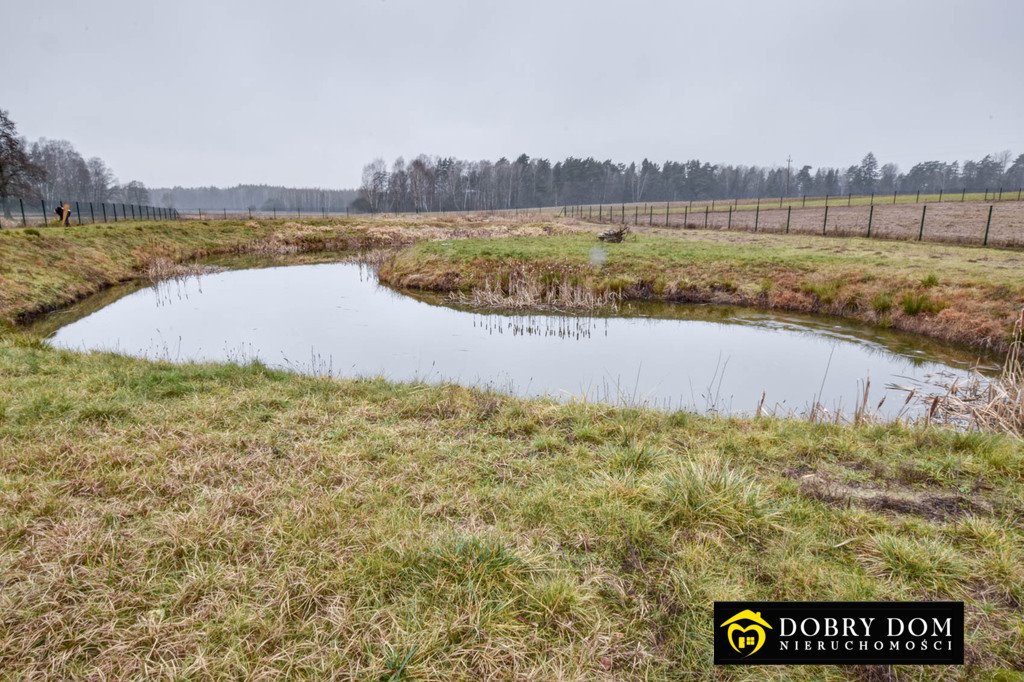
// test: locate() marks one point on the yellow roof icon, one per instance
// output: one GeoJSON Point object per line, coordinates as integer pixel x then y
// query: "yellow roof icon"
{"type": "Point", "coordinates": [747, 614]}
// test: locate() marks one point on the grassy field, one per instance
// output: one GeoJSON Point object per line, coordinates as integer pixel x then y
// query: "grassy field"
{"type": "Point", "coordinates": [184, 521]}
{"type": "Point", "coordinates": [961, 294]}
{"type": "Point", "coordinates": [949, 222]}
{"type": "Point", "coordinates": [817, 202]}
{"type": "Point", "coordinates": [187, 521]}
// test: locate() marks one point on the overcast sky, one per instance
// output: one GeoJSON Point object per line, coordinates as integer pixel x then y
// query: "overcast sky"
{"type": "Point", "coordinates": [306, 92]}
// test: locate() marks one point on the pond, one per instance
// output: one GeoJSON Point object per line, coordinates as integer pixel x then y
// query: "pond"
{"type": "Point", "coordinates": [334, 319]}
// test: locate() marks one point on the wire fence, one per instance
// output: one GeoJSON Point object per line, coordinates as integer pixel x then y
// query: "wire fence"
{"type": "Point", "coordinates": [19, 212]}
{"type": "Point", "coordinates": [998, 223]}
{"type": "Point", "coordinates": [989, 218]}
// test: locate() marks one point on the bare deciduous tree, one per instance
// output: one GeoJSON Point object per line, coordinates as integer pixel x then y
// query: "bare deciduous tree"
{"type": "Point", "coordinates": [18, 174]}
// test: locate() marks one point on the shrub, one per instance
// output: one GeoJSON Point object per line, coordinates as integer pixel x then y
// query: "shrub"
{"type": "Point", "coordinates": [930, 280]}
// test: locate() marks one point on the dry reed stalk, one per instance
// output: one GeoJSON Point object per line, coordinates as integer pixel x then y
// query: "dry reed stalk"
{"type": "Point", "coordinates": [989, 405]}
{"type": "Point", "coordinates": [524, 291]}
{"type": "Point", "coordinates": [162, 269]}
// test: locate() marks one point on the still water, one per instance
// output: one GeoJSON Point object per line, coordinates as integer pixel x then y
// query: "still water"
{"type": "Point", "coordinates": [335, 319]}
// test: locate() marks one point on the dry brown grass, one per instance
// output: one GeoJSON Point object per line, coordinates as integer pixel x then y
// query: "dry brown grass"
{"type": "Point", "coordinates": [520, 291]}
{"type": "Point", "coordinates": [987, 404]}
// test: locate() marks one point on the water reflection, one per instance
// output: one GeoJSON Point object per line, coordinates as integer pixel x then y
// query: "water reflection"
{"type": "Point", "coordinates": [333, 319]}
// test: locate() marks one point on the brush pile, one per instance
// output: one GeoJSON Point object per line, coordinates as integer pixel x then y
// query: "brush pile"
{"type": "Point", "coordinates": [615, 235]}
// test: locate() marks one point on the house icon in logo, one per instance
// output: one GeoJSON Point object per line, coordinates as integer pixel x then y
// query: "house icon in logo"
{"type": "Point", "coordinates": [746, 639]}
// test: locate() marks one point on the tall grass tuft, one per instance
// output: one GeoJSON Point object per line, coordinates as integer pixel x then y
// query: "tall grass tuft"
{"type": "Point", "coordinates": [709, 494]}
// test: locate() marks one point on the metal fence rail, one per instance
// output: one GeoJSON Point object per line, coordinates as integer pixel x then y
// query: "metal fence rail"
{"type": "Point", "coordinates": [18, 212]}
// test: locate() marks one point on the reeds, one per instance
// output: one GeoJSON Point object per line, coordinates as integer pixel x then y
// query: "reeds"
{"type": "Point", "coordinates": [988, 404]}
{"type": "Point", "coordinates": [523, 291]}
{"type": "Point", "coordinates": [163, 269]}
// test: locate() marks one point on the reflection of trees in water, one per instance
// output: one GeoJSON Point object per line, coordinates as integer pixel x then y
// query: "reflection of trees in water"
{"type": "Point", "coordinates": [547, 326]}
{"type": "Point", "coordinates": [177, 288]}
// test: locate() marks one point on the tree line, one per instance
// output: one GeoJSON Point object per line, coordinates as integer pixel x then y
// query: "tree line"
{"type": "Point", "coordinates": [255, 197]}
{"type": "Point", "coordinates": [431, 183]}
{"type": "Point", "coordinates": [54, 171]}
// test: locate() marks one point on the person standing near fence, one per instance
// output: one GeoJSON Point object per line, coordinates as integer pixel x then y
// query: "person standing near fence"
{"type": "Point", "coordinates": [63, 214]}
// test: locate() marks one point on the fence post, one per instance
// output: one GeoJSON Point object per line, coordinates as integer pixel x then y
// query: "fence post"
{"type": "Point", "coordinates": [92, 214]}
{"type": "Point", "coordinates": [824, 223]}
{"type": "Point", "coordinates": [826, 201]}
{"type": "Point", "coordinates": [920, 232]}
{"type": "Point", "coordinates": [963, 195]}
{"type": "Point", "coordinates": [666, 214]}
{"type": "Point", "coordinates": [872, 198]}
{"type": "Point", "coordinates": [686, 214]}
{"type": "Point", "coordinates": [225, 214]}
{"type": "Point", "coordinates": [706, 216]}
{"type": "Point", "coordinates": [871, 217]}
{"type": "Point", "coordinates": [22, 205]}
{"type": "Point", "coordinates": [636, 214]}
{"type": "Point", "coordinates": [918, 199]}
{"type": "Point", "coordinates": [623, 207]}
{"type": "Point", "coordinates": [729, 225]}
{"type": "Point", "coordinates": [124, 213]}
{"type": "Point", "coordinates": [894, 197]}
{"type": "Point", "coordinates": [803, 202]}
{"type": "Point", "coordinates": [849, 199]}
{"type": "Point", "coordinates": [1000, 194]}
{"type": "Point", "coordinates": [78, 213]}
{"type": "Point", "coordinates": [103, 205]}
{"type": "Point", "coordinates": [42, 204]}
{"type": "Point", "coordinates": [650, 215]}
{"type": "Point", "coordinates": [940, 195]}
{"type": "Point", "coordinates": [988, 224]}
{"type": "Point", "coordinates": [789, 213]}
{"type": "Point", "coordinates": [757, 215]}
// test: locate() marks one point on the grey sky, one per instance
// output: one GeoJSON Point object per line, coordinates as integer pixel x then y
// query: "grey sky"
{"type": "Point", "coordinates": [304, 92]}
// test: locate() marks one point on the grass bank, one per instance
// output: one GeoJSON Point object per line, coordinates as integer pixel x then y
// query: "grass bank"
{"type": "Point", "coordinates": [954, 293]}
{"type": "Point", "coordinates": [47, 268]}
{"type": "Point", "coordinates": [172, 521]}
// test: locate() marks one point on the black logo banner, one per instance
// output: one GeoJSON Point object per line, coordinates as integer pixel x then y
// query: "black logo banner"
{"type": "Point", "coordinates": [794, 633]}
